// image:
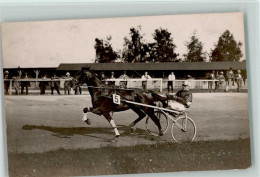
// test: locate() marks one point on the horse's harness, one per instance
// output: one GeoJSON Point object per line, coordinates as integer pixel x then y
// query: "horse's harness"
{"type": "Point", "coordinates": [109, 88]}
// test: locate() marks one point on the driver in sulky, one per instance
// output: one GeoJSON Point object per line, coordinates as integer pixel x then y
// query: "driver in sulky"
{"type": "Point", "coordinates": [181, 100]}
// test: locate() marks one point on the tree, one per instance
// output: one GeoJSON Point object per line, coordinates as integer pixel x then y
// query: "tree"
{"type": "Point", "coordinates": [227, 48]}
{"type": "Point", "coordinates": [104, 51]}
{"type": "Point", "coordinates": [195, 47]}
{"type": "Point", "coordinates": [135, 49]}
{"type": "Point", "coordinates": [163, 48]}
{"type": "Point", "coordinates": [128, 52]}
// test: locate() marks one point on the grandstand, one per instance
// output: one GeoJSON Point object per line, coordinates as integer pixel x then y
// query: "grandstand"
{"type": "Point", "coordinates": [158, 71]}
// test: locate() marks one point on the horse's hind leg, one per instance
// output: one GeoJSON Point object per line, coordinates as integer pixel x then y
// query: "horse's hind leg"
{"type": "Point", "coordinates": [112, 123]}
{"type": "Point", "coordinates": [85, 112]}
{"type": "Point", "coordinates": [150, 113]}
{"type": "Point", "coordinates": [141, 115]}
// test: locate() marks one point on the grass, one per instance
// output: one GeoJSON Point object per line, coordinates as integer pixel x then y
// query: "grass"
{"type": "Point", "coordinates": [162, 157]}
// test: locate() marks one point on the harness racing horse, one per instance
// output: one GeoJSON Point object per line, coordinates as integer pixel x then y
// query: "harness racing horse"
{"type": "Point", "coordinates": [102, 102]}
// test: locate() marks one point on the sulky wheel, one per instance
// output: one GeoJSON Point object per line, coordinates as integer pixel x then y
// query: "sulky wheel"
{"type": "Point", "coordinates": [183, 129]}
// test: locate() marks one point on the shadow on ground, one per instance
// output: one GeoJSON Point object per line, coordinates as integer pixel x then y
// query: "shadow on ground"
{"type": "Point", "coordinates": [68, 132]}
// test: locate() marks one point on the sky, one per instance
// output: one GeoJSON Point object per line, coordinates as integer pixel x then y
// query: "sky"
{"type": "Point", "coordinates": [49, 43]}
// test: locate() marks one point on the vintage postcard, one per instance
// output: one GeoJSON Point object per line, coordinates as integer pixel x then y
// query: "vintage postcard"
{"type": "Point", "coordinates": [126, 95]}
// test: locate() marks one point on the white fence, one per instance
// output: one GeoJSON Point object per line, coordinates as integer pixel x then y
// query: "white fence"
{"type": "Point", "coordinates": [159, 83]}
{"type": "Point", "coordinates": [154, 83]}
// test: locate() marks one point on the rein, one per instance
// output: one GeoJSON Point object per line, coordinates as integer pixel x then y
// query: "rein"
{"type": "Point", "coordinates": [109, 88]}
{"type": "Point", "coordinates": [112, 89]}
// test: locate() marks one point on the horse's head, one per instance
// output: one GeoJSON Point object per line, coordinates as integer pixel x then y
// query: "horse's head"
{"type": "Point", "coordinates": [86, 76]}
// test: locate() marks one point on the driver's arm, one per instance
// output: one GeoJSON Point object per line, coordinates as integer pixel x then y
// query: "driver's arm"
{"type": "Point", "coordinates": [184, 100]}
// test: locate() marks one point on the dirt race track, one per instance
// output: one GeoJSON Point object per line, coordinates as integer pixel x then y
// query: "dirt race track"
{"type": "Point", "coordinates": [49, 123]}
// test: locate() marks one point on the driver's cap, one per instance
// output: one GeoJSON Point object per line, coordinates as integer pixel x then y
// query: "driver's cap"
{"type": "Point", "coordinates": [186, 83]}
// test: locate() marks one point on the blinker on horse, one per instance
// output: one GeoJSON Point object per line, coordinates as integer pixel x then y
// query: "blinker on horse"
{"type": "Point", "coordinates": [102, 102]}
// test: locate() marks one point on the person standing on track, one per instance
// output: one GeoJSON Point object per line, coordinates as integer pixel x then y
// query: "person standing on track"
{"type": "Point", "coordinates": [67, 84]}
{"type": "Point", "coordinates": [145, 77]}
{"type": "Point", "coordinates": [171, 82]}
{"type": "Point", "coordinates": [220, 80]}
{"type": "Point", "coordinates": [25, 84]}
{"type": "Point", "coordinates": [43, 85]}
{"type": "Point", "coordinates": [6, 82]}
{"type": "Point", "coordinates": [211, 77]}
{"type": "Point", "coordinates": [230, 79]}
{"type": "Point", "coordinates": [103, 77]}
{"type": "Point", "coordinates": [16, 85]}
{"type": "Point", "coordinates": [55, 84]}
{"type": "Point", "coordinates": [123, 84]}
{"type": "Point", "coordinates": [112, 77]}
{"type": "Point", "coordinates": [239, 80]}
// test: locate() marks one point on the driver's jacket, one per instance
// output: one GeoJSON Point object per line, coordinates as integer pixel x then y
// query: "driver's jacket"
{"type": "Point", "coordinates": [182, 96]}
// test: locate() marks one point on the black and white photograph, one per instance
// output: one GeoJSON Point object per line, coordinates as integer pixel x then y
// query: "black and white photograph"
{"type": "Point", "coordinates": [126, 95]}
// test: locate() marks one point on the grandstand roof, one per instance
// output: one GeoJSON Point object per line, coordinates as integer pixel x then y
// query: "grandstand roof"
{"type": "Point", "coordinates": [156, 66]}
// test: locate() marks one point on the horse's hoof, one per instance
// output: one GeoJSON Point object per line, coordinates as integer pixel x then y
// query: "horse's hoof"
{"type": "Point", "coordinates": [85, 110]}
{"type": "Point", "coordinates": [114, 140]}
{"type": "Point", "coordinates": [88, 121]}
{"type": "Point", "coordinates": [132, 124]}
{"type": "Point", "coordinates": [133, 129]}
{"type": "Point", "coordinates": [160, 133]}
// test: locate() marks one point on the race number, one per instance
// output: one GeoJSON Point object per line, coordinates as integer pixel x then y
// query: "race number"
{"type": "Point", "coordinates": [116, 99]}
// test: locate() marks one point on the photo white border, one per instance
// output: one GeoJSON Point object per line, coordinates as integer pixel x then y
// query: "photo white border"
{"type": "Point", "coordinates": [36, 10]}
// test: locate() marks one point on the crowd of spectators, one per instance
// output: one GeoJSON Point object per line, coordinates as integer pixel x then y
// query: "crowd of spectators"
{"type": "Point", "coordinates": [217, 80]}
{"type": "Point", "coordinates": [227, 81]}
{"type": "Point", "coordinates": [22, 83]}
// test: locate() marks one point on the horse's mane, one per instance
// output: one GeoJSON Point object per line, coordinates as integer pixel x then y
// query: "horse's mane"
{"type": "Point", "coordinates": [97, 79]}
{"type": "Point", "coordinates": [100, 83]}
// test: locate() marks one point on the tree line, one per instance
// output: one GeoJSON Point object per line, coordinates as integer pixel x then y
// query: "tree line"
{"type": "Point", "coordinates": [136, 49]}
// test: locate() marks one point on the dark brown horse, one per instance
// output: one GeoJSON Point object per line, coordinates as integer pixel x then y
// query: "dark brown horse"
{"type": "Point", "coordinates": [102, 102]}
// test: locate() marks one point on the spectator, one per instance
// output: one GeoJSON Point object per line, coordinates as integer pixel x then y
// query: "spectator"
{"type": "Point", "coordinates": [55, 84]}
{"type": "Point", "coordinates": [211, 76]}
{"type": "Point", "coordinates": [67, 84]}
{"type": "Point", "coordinates": [239, 80]}
{"type": "Point", "coordinates": [78, 89]}
{"type": "Point", "coordinates": [43, 85]}
{"type": "Point", "coordinates": [112, 77]}
{"type": "Point", "coordinates": [244, 76]}
{"type": "Point", "coordinates": [145, 77]}
{"type": "Point", "coordinates": [76, 86]}
{"type": "Point", "coordinates": [6, 82]}
{"type": "Point", "coordinates": [25, 84]}
{"type": "Point", "coordinates": [230, 79]}
{"type": "Point", "coordinates": [123, 84]}
{"type": "Point", "coordinates": [220, 80]}
{"type": "Point", "coordinates": [171, 81]}
{"type": "Point", "coordinates": [16, 85]}
{"type": "Point", "coordinates": [103, 78]}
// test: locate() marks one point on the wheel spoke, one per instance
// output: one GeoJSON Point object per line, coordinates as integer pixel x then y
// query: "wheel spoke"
{"type": "Point", "coordinates": [183, 129]}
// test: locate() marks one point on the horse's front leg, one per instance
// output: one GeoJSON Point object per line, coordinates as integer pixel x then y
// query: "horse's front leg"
{"type": "Point", "coordinates": [85, 117]}
{"type": "Point", "coordinates": [112, 123]}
